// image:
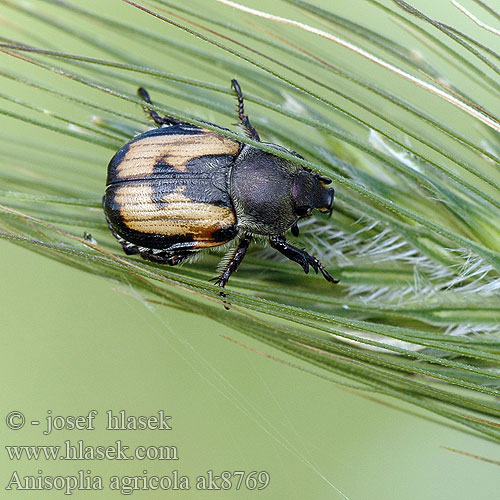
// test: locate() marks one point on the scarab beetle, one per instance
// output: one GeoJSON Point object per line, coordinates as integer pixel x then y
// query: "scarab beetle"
{"type": "Point", "coordinates": [177, 189]}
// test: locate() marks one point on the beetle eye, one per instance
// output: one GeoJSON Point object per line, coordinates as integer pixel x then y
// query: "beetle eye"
{"type": "Point", "coordinates": [303, 210]}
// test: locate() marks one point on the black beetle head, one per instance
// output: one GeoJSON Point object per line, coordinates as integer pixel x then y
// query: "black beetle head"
{"type": "Point", "coordinates": [309, 191]}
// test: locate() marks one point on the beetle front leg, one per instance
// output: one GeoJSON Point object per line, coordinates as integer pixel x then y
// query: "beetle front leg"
{"type": "Point", "coordinates": [252, 133]}
{"type": "Point", "coordinates": [300, 256]}
{"type": "Point", "coordinates": [233, 264]}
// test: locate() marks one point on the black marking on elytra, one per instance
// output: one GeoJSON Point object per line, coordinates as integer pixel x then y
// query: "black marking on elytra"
{"type": "Point", "coordinates": [114, 163]}
{"type": "Point", "coordinates": [199, 180]}
{"type": "Point", "coordinates": [153, 255]}
{"type": "Point", "coordinates": [181, 129]}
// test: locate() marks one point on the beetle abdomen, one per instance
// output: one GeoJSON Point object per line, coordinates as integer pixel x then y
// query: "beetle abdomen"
{"type": "Point", "coordinates": [167, 189]}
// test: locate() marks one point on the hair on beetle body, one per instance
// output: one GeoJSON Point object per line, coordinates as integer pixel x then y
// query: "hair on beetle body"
{"type": "Point", "coordinates": [179, 188]}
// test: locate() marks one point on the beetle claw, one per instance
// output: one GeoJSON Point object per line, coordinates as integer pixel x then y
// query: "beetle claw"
{"type": "Point", "coordinates": [300, 256]}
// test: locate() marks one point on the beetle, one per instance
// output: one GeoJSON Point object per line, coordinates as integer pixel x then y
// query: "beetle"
{"type": "Point", "coordinates": [177, 189]}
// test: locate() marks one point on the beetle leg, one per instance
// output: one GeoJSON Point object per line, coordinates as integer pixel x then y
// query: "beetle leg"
{"type": "Point", "coordinates": [300, 256]}
{"type": "Point", "coordinates": [166, 120]}
{"type": "Point", "coordinates": [252, 133]}
{"type": "Point", "coordinates": [128, 248]}
{"type": "Point", "coordinates": [172, 259]}
{"type": "Point", "coordinates": [233, 264]}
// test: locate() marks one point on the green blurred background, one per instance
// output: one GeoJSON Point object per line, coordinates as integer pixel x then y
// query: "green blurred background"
{"type": "Point", "coordinates": [72, 342]}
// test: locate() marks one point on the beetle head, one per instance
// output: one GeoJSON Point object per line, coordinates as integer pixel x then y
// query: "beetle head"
{"type": "Point", "coordinates": [309, 191]}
